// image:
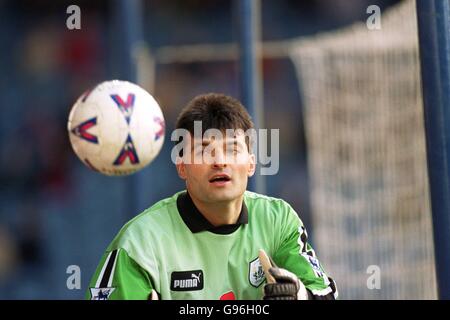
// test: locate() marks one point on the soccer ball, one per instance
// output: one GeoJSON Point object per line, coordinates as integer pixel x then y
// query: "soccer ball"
{"type": "Point", "coordinates": [117, 128]}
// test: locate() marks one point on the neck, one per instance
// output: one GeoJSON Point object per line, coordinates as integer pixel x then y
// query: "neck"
{"type": "Point", "coordinates": [220, 213]}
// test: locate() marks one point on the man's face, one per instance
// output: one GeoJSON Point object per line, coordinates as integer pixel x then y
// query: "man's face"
{"type": "Point", "coordinates": [221, 168]}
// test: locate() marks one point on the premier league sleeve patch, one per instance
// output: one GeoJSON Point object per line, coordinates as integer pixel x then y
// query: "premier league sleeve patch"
{"type": "Point", "coordinates": [101, 293]}
{"type": "Point", "coordinates": [315, 264]}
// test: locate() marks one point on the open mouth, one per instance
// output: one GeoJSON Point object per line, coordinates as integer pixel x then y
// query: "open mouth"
{"type": "Point", "coordinates": [220, 178]}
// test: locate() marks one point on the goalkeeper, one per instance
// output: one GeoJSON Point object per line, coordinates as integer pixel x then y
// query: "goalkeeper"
{"type": "Point", "coordinates": [204, 242]}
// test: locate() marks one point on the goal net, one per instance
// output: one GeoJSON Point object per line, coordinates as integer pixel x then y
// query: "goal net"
{"type": "Point", "coordinates": [363, 116]}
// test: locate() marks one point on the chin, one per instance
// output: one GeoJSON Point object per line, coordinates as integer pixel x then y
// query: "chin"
{"type": "Point", "coordinates": [225, 195]}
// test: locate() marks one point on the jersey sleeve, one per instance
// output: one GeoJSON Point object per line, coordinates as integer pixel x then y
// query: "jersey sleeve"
{"type": "Point", "coordinates": [296, 255]}
{"type": "Point", "coordinates": [119, 277]}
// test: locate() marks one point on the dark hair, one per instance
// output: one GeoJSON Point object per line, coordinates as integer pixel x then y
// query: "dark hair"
{"type": "Point", "coordinates": [215, 111]}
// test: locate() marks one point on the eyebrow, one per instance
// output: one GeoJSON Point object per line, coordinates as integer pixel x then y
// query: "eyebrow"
{"type": "Point", "coordinates": [233, 142]}
{"type": "Point", "coordinates": [203, 144]}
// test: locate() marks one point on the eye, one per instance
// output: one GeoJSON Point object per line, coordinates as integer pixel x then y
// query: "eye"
{"type": "Point", "coordinates": [232, 150]}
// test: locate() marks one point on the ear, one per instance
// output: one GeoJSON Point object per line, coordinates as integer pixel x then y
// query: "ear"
{"type": "Point", "coordinates": [181, 168]}
{"type": "Point", "coordinates": [252, 165]}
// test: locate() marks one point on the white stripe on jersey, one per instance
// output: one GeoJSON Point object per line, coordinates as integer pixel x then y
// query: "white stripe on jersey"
{"type": "Point", "coordinates": [305, 252]}
{"type": "Point", "coordinates": [302, 245]}
{"type": "Point", "coordinates": [100, 276]}
{"type": "Point", "coordinates": [111, 276]}
{"type": "Point", "coordinates": [322, 292]}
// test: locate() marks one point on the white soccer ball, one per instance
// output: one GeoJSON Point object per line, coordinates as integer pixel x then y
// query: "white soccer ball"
{"type": "Point", "coordinates": [117, 128]}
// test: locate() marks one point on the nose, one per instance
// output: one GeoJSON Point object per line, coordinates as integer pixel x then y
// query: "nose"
{"type": "Point", "coordinates": [218, 159]}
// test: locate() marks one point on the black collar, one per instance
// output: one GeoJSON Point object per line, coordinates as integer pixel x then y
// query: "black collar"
{"type": "Point", "coordinates": [196, 222]}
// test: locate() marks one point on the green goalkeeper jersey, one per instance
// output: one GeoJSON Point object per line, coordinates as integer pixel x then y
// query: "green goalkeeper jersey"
{"type": "Point", "coordinates": [173, 249]}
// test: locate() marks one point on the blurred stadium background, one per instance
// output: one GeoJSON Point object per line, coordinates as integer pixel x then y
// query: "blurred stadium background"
{"type": "Point", "coordinates": [347, 100]}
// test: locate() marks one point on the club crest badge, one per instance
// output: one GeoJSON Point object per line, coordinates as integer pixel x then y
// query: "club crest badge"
{"type": "Point", "coordinates": [256, 273]}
